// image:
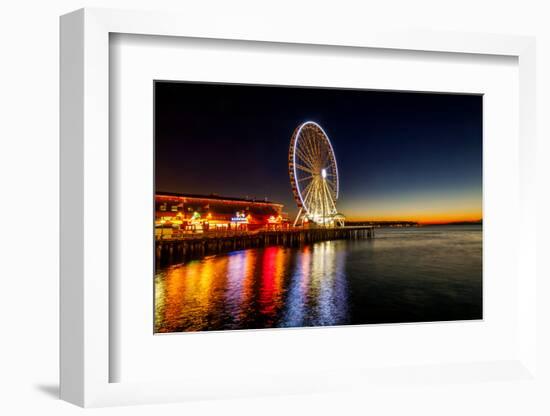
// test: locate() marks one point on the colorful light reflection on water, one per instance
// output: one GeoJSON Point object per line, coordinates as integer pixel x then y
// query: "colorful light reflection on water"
{"type": "Point", "coordinates": [409, 275]}
{"type": "Point", "coordinates": [255, 288]}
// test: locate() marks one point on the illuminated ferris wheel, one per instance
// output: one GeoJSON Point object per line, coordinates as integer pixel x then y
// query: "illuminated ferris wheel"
{"type": "Point", "coordinates": [314, 175]}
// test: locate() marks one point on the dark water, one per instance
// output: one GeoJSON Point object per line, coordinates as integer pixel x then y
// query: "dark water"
{"type": "Point", "coordinates": [403, 275]}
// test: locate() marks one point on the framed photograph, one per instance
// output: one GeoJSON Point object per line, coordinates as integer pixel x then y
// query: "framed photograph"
{"type": "Point", "coordinates": [265, 213]}
{"type": "Point", "coordinates": [263, 221]}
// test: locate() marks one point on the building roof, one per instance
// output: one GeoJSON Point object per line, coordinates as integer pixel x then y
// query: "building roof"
{"type": "Point", "coordinates": [215, 197]}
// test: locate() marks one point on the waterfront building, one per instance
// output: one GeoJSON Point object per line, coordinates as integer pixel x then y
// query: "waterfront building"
{"type": "Point", "coordinates": [177, 213]}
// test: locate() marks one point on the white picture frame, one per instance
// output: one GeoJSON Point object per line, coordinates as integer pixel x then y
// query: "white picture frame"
{"type": "Point", "coordinates": [85, 211]}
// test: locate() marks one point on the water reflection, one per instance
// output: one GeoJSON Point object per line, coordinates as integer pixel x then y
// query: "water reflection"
{"type": "Point", "coordinates": [255, 288]}
{"type": "Point", "coordinates": [413, 275]}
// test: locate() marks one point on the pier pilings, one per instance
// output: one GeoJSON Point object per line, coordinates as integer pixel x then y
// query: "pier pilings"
{"type": "Point", "coordinates": [169, 251]}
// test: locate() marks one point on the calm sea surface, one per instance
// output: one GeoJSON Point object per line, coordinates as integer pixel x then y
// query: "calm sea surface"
{"type": "Point", "coordinates": [430, 273]}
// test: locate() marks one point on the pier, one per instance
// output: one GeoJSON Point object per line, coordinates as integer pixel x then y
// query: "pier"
{"type": "Point", "coordinates": [190, 247]}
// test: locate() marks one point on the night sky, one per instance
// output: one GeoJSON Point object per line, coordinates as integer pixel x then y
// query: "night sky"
{"type": "Point", "coordinates": [400, 155]}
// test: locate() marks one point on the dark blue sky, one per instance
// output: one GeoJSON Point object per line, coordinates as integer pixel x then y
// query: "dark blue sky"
{"type": "Point", "coordinates": [401, 155]}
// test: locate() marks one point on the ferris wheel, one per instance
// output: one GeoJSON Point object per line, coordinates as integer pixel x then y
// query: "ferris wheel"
{"type": "Point", "coordinates": [314, 175]}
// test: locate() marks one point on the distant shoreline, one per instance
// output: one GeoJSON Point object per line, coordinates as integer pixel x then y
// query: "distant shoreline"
{"type": "Point", "coordinates": [455, 223]}
{"type": "Point", "coordinates": [410, 223]}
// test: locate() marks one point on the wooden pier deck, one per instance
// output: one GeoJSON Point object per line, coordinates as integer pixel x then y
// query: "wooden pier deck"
{"type": "Point", "coordinates": [195, 246]}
